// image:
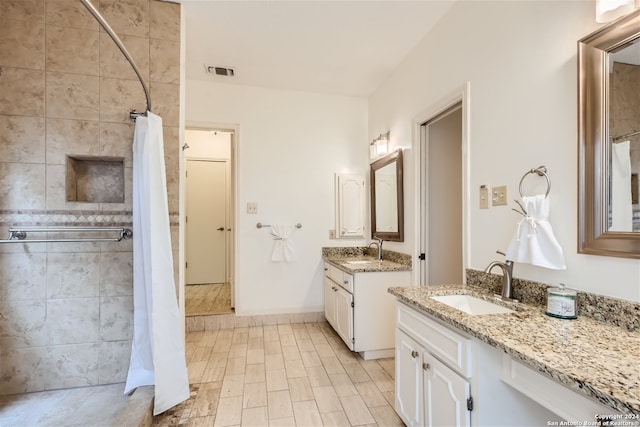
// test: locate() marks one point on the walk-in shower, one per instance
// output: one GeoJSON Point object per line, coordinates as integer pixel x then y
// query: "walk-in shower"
{"type": "Point", "coordinates": [67, 277]}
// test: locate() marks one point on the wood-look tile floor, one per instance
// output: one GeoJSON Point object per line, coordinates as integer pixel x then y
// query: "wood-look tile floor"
{"type": "Point", "coordinates": [282, 375]}
{"type": "Point", "coordinates": [202, 300]}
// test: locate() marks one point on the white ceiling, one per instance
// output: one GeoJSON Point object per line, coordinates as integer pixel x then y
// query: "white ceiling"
{"type": "Point", "coordinates": [341, 47]}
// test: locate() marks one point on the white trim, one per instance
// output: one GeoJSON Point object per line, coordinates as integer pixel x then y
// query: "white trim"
{"type": "Point", "coordinates": [181, 184]}
{"type": "Point", "coordinates": [233, 196]}
{"type": "Point", "coordinates": [460, 95]}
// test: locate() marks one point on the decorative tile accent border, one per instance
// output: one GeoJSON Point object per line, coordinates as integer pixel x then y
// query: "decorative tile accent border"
{"type": "Point", "coordinates": [71, 218]}
{"type": "Point", "coordinates": [613, 311]}
{"type": "Point", "coordinates": [227, 321]}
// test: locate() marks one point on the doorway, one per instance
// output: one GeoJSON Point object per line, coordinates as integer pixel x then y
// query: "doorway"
{"type": "Point", "coordinates": [442, 189]}
{"type": "Point", "coordinates": [208, 222]}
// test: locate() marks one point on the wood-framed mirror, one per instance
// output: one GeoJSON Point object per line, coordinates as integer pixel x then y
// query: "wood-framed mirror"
{"type": "Point", "coordinates": [609, 139]}
{"type": "Point", "coordinates": [387, 200]}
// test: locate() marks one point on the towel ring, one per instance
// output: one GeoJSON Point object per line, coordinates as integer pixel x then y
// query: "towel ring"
{"type": "Point", "coordinates": [541, 171]}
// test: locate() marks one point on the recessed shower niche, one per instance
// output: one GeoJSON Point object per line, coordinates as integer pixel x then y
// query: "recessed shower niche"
{"type": "Point", "coordinates": [95, 179]}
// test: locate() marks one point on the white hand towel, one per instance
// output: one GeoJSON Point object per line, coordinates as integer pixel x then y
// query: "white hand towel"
{"type": "Point", "coordinates": [534, 243]}
{"type": "Point", "coordinates": [283, 249]}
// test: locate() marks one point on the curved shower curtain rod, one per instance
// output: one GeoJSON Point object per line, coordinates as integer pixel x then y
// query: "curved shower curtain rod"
{"type": "Point", "coordinates": [133, 114]}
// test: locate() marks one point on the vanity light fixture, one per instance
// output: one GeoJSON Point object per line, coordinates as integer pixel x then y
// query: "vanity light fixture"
{"type": "Point", "coordinates": [379, 146]}
{"type": "Point", "coordinates": [608, 10]}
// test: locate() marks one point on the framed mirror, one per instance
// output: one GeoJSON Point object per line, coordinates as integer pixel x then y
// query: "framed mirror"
{"type": "Point", "coordinates": [387, 201]}
{"type": "Point", "coordinates": [609, 139]}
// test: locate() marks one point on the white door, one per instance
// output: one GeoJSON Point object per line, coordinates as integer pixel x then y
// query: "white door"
{"type": "Point", "coordinates": [441, 237]}
{"type": "Point", "coordinates": [409, 379]}
{"type": "Point", "coordinates": [445, 395]}
{"type": "Point", "coordinates": [206, 221]}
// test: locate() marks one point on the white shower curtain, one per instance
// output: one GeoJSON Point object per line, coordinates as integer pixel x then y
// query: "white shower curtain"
{"type": "Point", "coordinates": [157, 351]}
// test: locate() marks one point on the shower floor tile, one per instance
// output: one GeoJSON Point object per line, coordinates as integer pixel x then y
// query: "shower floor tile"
{"type": "Point", "coordinates": [87, 406]}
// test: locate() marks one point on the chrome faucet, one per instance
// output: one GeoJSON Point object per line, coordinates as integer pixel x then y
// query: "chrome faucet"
{"type": "Point", "coordinates": [507, 275]}
{"type": "Point", "coordinates": [379, 247]}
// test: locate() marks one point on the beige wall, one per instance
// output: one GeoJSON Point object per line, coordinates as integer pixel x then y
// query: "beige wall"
{"type": "Point", "coordinates": [66, 312]}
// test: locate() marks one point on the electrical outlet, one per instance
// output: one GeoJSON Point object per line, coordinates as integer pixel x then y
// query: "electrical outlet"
{"type": "Point", "coordinates": [332, 234]}
{"type": "Point", "coordinates": [499, 195]}
{"type": "Point", "coordinates": [252, 208]}
{"type": "Point", "coordinates": [484, 197]}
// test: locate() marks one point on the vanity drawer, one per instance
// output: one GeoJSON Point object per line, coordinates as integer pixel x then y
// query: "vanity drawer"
{"type": "Point", "coordinates": [445, 344]}
{"type": "Point", "coordinates": [340, 277]}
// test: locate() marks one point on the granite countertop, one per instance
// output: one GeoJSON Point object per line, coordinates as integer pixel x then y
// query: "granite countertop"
{"type": "Point", "coordinates": [593, 358]}
{"type": "Point", "coordinates": [365, 262]}
{"type": "Point", "coordinates": [371, 264]}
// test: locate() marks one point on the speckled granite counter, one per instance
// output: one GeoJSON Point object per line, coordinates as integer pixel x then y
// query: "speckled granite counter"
{"type": "Point", "coordinates": [590, 357]}
{"type": "Point", "coordinates": [344, 257]}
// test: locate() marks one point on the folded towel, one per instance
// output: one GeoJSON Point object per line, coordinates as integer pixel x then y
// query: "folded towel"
{"type": "Point", "coordinates": [283, 249]}
{"type": "Point", "coordinates": [534, 242]}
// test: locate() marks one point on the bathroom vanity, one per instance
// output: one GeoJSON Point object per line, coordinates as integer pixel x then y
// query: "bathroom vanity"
{"type": "Point", "coordinates": [516, 368]}
{"type": "Point", "coordinates": [357, 304]}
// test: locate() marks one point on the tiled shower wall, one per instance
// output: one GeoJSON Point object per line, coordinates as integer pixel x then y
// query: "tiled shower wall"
{"type": "Point", "coordinates": [66, 311]}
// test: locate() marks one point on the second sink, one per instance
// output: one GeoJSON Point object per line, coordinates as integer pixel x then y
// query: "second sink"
{"type": "Point", "coordinates": [471, 305]}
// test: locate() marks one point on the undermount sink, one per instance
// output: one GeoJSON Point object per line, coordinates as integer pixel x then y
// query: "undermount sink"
{"type": "Point", "coordinates": [471, 305]}
{"type": "Point", "coordinates": [359, 261]}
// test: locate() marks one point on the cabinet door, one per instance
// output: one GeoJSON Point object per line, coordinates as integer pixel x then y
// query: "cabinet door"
{"type": "Point", "coordinates": [330, 301]}
{"type": "Point", "coordinates": [350, 206]}
{"type": "Point", "coordinates": [445, 395]}
{"type": "Point", "coordinates": [409, 379]}
{"type": "Point", "coordinates": [344, 315]}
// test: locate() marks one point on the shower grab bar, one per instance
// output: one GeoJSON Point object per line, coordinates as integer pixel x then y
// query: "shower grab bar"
{"type": "Point", "coordinates": [19, 234]}
{"type": "Point", "coordinates": [260, 225]}
{"type": "Point", "coordinates": [91, 8]}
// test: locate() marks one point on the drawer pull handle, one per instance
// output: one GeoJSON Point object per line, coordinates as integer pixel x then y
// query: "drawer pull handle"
{"type": "Point", "coordinates": [414, 354]}
{"type": "Point", "coordinates": [346, 282]}
{"type": "Point", "coordinates": [426, 366]}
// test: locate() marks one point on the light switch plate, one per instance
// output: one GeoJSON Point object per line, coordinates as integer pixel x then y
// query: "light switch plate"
{"type": "Point", "coordinates": [499, 195]}
{"type": "Point", "coordinates": [484, 197]}
{"type": "Point", "coordinates": [252, 208]}
{"type": "Point", "coordinates": [332, 234]}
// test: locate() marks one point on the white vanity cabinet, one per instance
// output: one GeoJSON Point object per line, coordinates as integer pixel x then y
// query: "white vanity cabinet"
{"type": "Point", "coordinates": [446, 378]}
{"type": "Point", "coordinates": [350, 206]}
{"type": "Point", "coordinates": [359, 308]}
{"type": "Point", "coordinates": [428, 391]}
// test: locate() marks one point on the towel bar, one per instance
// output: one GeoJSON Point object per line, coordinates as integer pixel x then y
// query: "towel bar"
{"type": "Point", "coordinates": [19, 234]}
{"type": "Point", "coordinates": [260, 225]}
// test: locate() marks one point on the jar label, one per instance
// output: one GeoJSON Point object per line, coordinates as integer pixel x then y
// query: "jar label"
{"type": "Point", "coordinates": [561, 305]}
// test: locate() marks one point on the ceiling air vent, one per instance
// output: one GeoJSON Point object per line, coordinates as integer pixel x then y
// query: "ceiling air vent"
{"type": "Point", "coordinates": [220, 71]}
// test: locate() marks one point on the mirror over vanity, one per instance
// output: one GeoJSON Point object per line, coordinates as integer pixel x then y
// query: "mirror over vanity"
{"type": "Point", "coordinates": [387, 203]}
{"type": "Point", "coordinates": [609, 139]}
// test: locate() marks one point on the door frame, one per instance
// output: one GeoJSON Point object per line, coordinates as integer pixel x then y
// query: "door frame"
{"type": "Point", "coordinates": [461, 95]}
{"type": "Point", "coordinates": [233, 208]}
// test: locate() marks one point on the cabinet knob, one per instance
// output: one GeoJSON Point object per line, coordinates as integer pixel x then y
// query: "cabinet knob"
{"type": "Point", "coordinates": [426, 366]}
{"type": "Point", "coordinates": [414, 354]}
{"type": "Point", "coordinates": [346, 282]}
